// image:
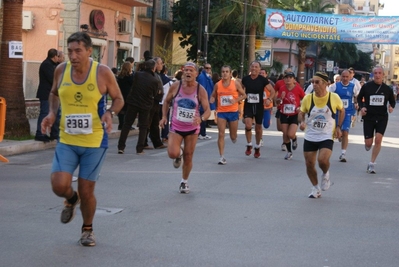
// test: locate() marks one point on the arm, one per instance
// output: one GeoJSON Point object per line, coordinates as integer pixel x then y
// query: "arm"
{"type": "Point", "coordinates": [214, 94]}
{"type": "Point", "coordinates": [272, 94]}
{"type": "Point", "coordinates": [241, 92]}
{"type": "Point", "coordinates": [203, 99]}
{"type": "Point", "coordinates": [107, 85]}
{"type": "Point", "coordinates": [391, 101]}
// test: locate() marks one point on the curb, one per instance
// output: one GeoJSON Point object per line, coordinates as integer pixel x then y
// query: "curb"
{"type": "Point", "coordinates": [10, 147]}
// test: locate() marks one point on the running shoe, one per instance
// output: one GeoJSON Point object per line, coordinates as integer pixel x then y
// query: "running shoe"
{"type": "Point", "coordinates": [222, 161]}
{"type": "Point", "coordinates": [315, 192]}
{"type": "Point", "coordinates": [325, 181]}
{"type": "Point", "coordinates": [367, 147]}
{"type": "Point", "coordinates": [206, 137]}
{"type": "Point", "coordinates": [87, 239]}
{"type": "Point", "coordinates": [294, 144]}
{"type": "Point", "coordinates": [283, 147]}
{"type": "Point", "coordinates": [69, 211]}
{"type": "Point", "coordinates": [248, 151]}
{"type": "Point", "coordinates": [184, 189]}
{"type": "Point", "coordinates": [261, 142]}
{"type": "Point", "coordinates": [257, 152]}
{"type": "Point", "coordinates": [342, 158]}
{"type": "Point", "coordinates": [288, 156]}
{"type": "Point", "coordinates": [370, 168]}
{"type": "Point", "coordinates": [177, 161]}
{"type": "Point", "coordinates": [120, 151]}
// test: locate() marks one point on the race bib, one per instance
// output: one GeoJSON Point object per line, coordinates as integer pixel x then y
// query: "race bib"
{"type": "Point", "coordinates": [288, 108]}
{"type": "Point", "coordinates": [319, 124]}
{"type": "Point", "coordinates": [226, 100]}
{"type": "Point", "coordinates": [185, 114]}
{"type": "Point", "coordinates": [377, 100]}
{"type": "Point", "coordinates": [253, 98]}
{"type": "Point", "coordinates": [79, 124]}
{"type": "Point", "coordinates": [345, 102]}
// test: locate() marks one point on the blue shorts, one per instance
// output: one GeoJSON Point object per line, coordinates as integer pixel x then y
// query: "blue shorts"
{"type": "Point", "coordinates": [346, 124]}
{"type": "Point", "coordinates": [90, 160]}
{"type": "Point", "coordinates": [266, 118]}
{"type": "Point", "coordinates": [228, 116]}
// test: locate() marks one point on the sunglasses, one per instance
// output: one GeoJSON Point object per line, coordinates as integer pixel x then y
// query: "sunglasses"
{"type": "Point", "coordinates": [208, 68]}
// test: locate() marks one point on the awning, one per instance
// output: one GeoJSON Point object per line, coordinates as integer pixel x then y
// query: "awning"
{"type": "Point", "coordinates": [125, 45]}
{"type": "Point", "coordinates": [99, 42]}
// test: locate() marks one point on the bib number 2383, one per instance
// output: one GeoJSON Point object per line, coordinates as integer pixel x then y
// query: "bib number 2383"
{"type": "Point", "coordinates": [79, 124]}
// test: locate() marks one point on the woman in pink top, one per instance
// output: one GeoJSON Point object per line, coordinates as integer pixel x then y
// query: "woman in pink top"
{"type": "Point", "coordinates": [185, 97]}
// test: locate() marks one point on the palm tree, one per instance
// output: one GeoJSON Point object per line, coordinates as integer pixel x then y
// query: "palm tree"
{"type": "Point", "coordinates": [345, 53]}
{"type": "Point", "coordinates": [17, 124]}
{"type": "Point", "coordinates": [234, 11]}
{"type": "Point", "coordinates": [315, 6]}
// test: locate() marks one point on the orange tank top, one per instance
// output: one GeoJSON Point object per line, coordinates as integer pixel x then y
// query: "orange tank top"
{"type": "Point", "coordinates": [225, 95]}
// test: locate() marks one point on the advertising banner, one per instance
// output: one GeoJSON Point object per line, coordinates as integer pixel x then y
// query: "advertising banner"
{"type": "Point", "coordinates": [331, 27]}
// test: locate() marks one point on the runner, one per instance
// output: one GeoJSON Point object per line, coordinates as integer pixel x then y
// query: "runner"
{"type": "Point", "coordinates": [289, 100]}
{"type": "Point", "coordinates": [374, 111]}
{"type": "Point", "coordinates": [321, 108]}
{"type": "Point", "coordinates": [347, 92]}
{"type": "Point", "coordinates": [255, 85]}
{"type": "Point", "coordinates": [185, 97]}
{"type": "Point", "coordinates": [229, 93]}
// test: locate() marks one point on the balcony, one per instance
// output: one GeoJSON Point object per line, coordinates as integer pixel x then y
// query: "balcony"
{"type": "Point", "coordinates": [134, 3]}
{"type": "Point", "coordinates": [164, 14]}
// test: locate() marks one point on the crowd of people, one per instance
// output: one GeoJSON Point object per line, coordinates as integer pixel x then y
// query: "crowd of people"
{"type": "Point", "coordinates": [174, 114]}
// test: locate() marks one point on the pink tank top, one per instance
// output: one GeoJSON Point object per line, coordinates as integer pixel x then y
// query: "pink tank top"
{"type": "Point", "coordinates": [184, 108]}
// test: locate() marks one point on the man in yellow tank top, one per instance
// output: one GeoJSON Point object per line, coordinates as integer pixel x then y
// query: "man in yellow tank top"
{"type": "Point", "coordinates": [81, 87]}
{"type": "Point", "coordinates": [228, 93]}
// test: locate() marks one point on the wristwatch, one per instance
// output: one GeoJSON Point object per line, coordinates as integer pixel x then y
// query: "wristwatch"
{"type": "Point", "coordinates": [112, 112]}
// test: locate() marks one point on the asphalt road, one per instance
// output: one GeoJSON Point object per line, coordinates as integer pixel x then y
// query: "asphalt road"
{"type": "Point", "coordinates": [250, 212]}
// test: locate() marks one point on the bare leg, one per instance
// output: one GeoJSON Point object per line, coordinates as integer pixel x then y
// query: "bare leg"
{"type": "Point", "coordinates": [88, 202]}
{"type": "Point", "coordinates": [377, 146]}
{"type": "Point", "coordinates": [221, 134]}
{"type": "Point", "coordinates": [189, 146]}
{"type": "Point", "coordinates": [310, 161]}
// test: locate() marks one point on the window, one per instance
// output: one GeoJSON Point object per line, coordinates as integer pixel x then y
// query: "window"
{"type": "Point", "coordinates": [96, 54]}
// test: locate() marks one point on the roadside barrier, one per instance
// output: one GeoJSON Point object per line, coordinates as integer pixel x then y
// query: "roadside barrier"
{"type": "Point", "coordinates": [2, 123]}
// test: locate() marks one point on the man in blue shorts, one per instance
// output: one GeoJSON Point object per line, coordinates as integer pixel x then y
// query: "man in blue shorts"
{"type": "Point", "coordinates": [81, 86]}
{"type": "Point", "coordinates": [347, 92]}
{"type": "Point", "coordinates": [228, 93]}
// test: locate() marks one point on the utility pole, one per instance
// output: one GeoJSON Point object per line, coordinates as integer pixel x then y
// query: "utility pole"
{"type": "Point", "coordinates": [206, 34]}
{"type": "Point", "coordinates": [243, 40]}
{"type": "Point", "coordinates": [153, 26]}
{"type": "Point", "coordinates": [199, 35]}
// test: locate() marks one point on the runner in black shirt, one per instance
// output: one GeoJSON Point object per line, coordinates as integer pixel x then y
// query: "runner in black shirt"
{"type": "Point", "coordinates": [376, 95]}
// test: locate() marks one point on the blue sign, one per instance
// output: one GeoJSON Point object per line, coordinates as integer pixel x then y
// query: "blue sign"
{"type": "Point", "coordinates": [331, 27]}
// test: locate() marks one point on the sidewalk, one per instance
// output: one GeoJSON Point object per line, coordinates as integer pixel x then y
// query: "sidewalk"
{"type": "Point", "coordinates": [11, 147]}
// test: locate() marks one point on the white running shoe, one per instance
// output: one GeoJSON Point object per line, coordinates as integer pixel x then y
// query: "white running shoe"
{"type": "Point", "coordinates": [261, 142]}
{"type": "Point", "coordinates": [184, 189]}
{"type": "Point", "coordinates": [316, 193]}
{"type": "Point", "coordinates": [342, 158]}
{"type": "Point", "coordinates": [222, 161]}
{"type": "Point", "coordinates": [206, 137]}
{"type": "Point", "coordinates": [370, 168]}
{"type": "Point", "coordinates": [283, 147]}
{"type": "Point", "coordinates": [325, 182]}
{"type": "Point", "coordinates": [288, 156]}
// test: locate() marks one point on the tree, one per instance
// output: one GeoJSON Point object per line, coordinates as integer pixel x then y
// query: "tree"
{"type": "Point", "coordinates": [232, 12]}
{"type": "Point", "coordinates": [11, 88]}
{"type": "Point", "coordinates": [344, 54]}
{"type": "Point", "coordinates": [223, 47]}
{"type": "Point", "coordinates": [315, 6]}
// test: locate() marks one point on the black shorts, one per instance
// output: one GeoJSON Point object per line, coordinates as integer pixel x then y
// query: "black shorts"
{"type": "Point", "coordinates": [288, 119]}
{"type": "Point", "coordinates": [371, 126]}
{"type": "Point", "coordinates": [184, 134]}
{"type": "Point", "coordinates": [309, 146]}
{"type": "Point", "coordinates": [254, 111]}
{"type": "Point", "coordinates": [278, 113]}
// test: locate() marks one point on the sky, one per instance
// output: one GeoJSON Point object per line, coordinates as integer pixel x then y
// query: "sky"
{"type": "Point", "coordinates": [391, 8]}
